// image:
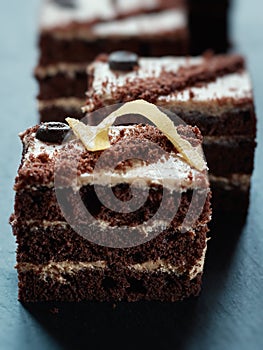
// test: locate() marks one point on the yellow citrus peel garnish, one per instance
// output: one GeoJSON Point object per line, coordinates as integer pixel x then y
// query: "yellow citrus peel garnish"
{"type": "Point", "coordinates": [96, 138]}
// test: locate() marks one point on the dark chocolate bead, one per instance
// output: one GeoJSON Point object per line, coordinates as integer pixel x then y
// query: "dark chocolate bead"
{"type": "Point", "coordinates": [123, 60]}
{"type": "Point", "coordinates": [53, 132]}
{"type": "Point", "coordinates": [66, 3]}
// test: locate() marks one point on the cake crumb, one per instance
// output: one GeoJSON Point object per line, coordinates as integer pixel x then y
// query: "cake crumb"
{"type": "Point", "coordinates": [54, 310]}
{"type": "Point", "coordinates": [191, 94]}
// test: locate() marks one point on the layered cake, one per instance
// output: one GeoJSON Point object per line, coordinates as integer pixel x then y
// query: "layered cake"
{"type": "Point", "coordinates": [74, 32]}
{"type": "Point", "coordinates": [213, 92]}
{"type": "Point", "coordinates": [150, 249]}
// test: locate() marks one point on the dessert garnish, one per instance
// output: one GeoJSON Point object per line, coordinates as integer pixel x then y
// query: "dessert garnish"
{"type": "Point", "coordinates": [96, 138]}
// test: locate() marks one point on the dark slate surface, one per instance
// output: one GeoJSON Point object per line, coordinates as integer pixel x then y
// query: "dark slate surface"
{"type": "Point", "coordinates": [227, 315]}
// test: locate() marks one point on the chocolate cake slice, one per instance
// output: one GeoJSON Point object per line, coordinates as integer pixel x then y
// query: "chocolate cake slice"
{"type": "Point", "coordinates": [73, 33]}
{"type": "Point", "coordinates": [211, 92]}
{"type": "Point", "coordinates": [153, 252]}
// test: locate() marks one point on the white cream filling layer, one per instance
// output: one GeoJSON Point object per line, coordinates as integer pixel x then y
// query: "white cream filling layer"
{"type": "Point", "coordinates": [86, 11]}
{"type": "Point", "coordinates": [131, 5]}
{"type": "Point", "coordinates": [232, 86]}
{"type": "Point", "coordinates": [69, 69]}
{"type": "Point", "coordinates": [171, 171]}
{"type": "Point", "coordinates": [159, 225]}
{"type": "Point", "coordinates": [213, 98]}
{"type": "Point", "coordinates": [53, 14]}
{"type": "Point", "coordinates": [226, 139]}
{"type": "Point", "coordinates": [56, 270]}
{"type": "Point", "coordinates": [241, 181]}
{"type": "Point", "coordinates": [159, 173]}
{"type": "Point", "coordinates": [164, 21]}
{"type": "Point", "coordinates": [62, 102]}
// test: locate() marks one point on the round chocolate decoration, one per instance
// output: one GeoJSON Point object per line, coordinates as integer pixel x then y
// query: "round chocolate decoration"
{"type": "Point", "coordinates": [53, 132]}
{"type": "Point", "coordinates": [66, 3]}
{"type": "Point", "coordinates": [123, 60]}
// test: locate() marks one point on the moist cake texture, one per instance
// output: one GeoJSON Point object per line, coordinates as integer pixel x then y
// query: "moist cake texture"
{"type": "Point", "coordinates": [55, 262]}
{"type": "Point", "coordinates": [213, 92]}
{"type": "Point", "coordinates": [72, 36]}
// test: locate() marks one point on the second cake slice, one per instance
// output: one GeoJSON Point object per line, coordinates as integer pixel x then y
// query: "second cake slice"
{"type": "Point", "coordinates": [213, 92]}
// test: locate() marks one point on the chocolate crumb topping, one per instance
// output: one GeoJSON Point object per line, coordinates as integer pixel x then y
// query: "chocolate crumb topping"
{"type": "Point", "coordinates": [168, 81]}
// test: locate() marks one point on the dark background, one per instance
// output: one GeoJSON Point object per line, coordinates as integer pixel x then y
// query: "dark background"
{"type": "Point", "coordinates": [229, 312]}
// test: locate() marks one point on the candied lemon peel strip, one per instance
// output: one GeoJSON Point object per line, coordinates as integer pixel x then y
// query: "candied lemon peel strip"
{"type": "Point", "coordinates": [96, 138]}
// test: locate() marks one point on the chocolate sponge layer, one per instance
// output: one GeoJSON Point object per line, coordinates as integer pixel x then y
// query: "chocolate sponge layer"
{"type": "Point", "coordinates": [39, 245]}
{"type": "Point", "coordinates": [108, 285]}
{"type": "Point", "coordinates": [77, 50]}
{"type": "Point", "coordinates": [42, 204]}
